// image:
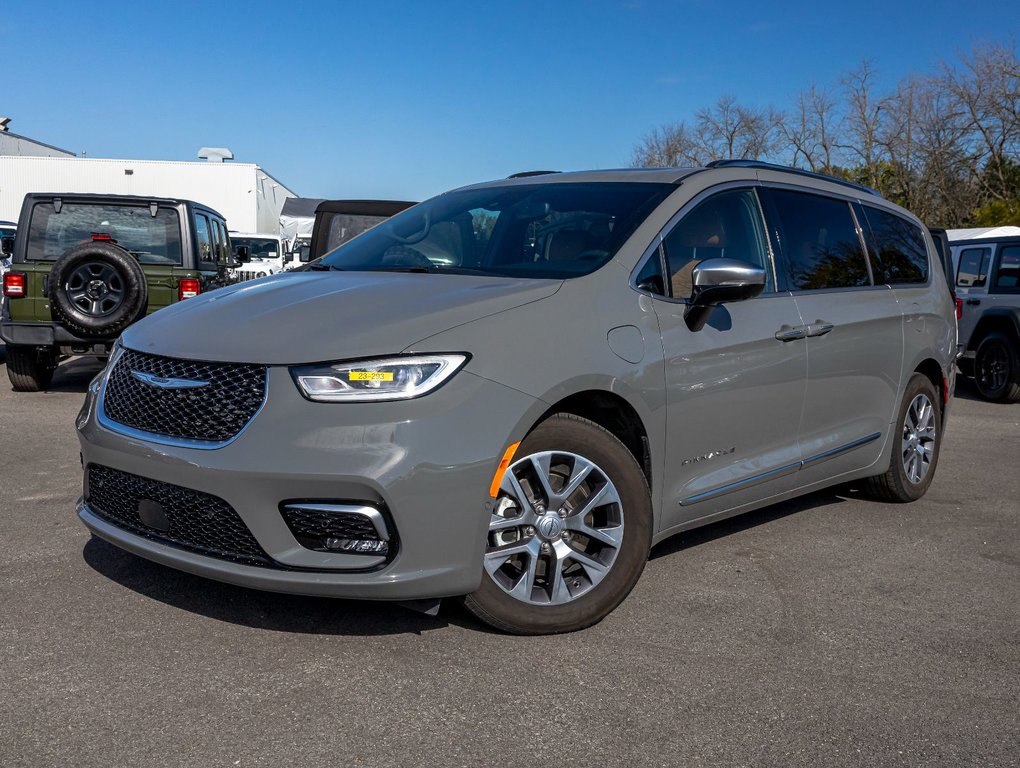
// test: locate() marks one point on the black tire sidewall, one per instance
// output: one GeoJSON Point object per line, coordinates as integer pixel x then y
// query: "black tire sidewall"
{"type": "Point", "coordinates": [584, 438]}
{"type": "Point", "coordinates": [1011, 358]}
{"type": "Point", "coordinates": [135, 290]}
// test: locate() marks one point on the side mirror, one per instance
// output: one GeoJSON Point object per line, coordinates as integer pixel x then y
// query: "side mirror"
{"type": "Point", "coordinates": [7, 245]}
{"type": "Point", "coordinates": [720, 281]}
{"type": "Point", "coordinates": [242, 254]}
{"type": "Point", "coordinates": [288, 257]}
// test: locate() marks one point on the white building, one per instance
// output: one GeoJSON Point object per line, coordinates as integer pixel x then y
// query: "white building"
{"type": "Point", "coordinates": [249, 198]}
{"type": "Point", "coordinates": [13, 144]}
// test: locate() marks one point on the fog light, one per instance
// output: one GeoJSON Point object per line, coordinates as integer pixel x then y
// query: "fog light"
{"type": "Point", "coordinates": [361, 546]}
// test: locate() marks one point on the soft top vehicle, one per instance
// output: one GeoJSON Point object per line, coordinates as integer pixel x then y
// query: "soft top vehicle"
{"type": "Point", "coordinates": [87, 266]}
{"type": "Point", "coordinates": [511, 391]}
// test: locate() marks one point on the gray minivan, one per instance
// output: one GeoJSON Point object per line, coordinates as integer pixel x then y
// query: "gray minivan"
{"type": "Point", "coordinates": [510, 392]}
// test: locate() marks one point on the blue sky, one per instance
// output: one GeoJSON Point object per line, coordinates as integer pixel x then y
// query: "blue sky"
{"type": "Point", "coordinates": [404, 100]}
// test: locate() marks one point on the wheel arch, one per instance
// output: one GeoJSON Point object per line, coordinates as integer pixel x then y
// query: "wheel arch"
{"type": "Point", "coordinates": [1004, 320]}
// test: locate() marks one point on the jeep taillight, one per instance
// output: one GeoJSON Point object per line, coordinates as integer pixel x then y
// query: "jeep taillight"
{"type": "Point", "coordinates": [188, 288]}
{"type": "Point", "coordinates": [15, 284]}
{"type": "Point", "coordinates": [959, 309]}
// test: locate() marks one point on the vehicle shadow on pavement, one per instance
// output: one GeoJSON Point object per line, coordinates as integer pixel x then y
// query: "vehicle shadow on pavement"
{"type": "Point", "coordinates": [748, 520]}
{"type": "Point", "coordinates": [75, 374]}
{"type": "Point", "coordinates": [257, 609]}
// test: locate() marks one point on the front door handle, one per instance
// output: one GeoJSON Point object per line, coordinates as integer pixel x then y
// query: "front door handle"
{"type": "Point", "coordinates": [791, 333]}
{"type": "Point", "coordinates": [819, 328]}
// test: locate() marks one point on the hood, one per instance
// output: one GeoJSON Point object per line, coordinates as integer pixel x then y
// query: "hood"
{"type": "Point", "coordinates": [306, 317]}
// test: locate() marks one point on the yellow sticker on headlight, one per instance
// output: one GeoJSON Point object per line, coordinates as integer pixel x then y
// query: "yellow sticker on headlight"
{"type": "Point", "coordinates": [370, 376]}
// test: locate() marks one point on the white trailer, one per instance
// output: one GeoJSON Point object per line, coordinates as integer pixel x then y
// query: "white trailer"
{"type": "Point", "coordinates": [249, 198]}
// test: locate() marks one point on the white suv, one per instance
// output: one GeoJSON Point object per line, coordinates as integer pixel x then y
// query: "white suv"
{"type": "Point", "coordinates": [265, 252]}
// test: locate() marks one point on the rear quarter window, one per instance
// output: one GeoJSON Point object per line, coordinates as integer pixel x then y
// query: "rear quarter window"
{"type": "Point", "coordinates": [901, 255]}
{"type": "Point", "coordinates": [973, 269]}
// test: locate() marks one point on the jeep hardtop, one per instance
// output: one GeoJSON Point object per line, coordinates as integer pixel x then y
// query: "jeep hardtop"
{"type": "Point", "coordinates": [86, 266]}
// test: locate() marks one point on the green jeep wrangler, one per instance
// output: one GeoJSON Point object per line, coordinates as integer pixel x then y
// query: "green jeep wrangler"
{"type": "Point", "coordinates": [87, 266]}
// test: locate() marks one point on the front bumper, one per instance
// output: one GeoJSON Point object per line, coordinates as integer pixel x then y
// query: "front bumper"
{"type": "Point", "coordinates": [427, 462]}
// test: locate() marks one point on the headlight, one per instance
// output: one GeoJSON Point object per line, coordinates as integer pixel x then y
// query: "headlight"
{"type": "Point", "coordinates": [393, 378]}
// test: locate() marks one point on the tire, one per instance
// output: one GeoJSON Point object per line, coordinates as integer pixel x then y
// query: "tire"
{"type": "Point", "coordinates": [563, 594]}
{"type": "Point", "coordinates": [997, 369]}
{"type": "Point", "coordinates": [30, 369]}
{"type": "Point", "coordinates": [918, 432]}
{"type": "Point", "coordinates": [97, 289]}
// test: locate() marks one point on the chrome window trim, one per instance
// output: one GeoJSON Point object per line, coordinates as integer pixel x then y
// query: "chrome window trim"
{"type": "Point", "coordinates": [657, 243]}
{"type": "Point", "coordinates": [151, 437]}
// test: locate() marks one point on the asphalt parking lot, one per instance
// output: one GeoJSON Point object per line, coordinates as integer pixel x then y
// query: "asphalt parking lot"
{"type": "Point", "coordinates": [827, 631]}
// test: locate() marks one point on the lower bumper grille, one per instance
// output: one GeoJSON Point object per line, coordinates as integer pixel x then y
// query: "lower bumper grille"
{"type": "Point", "coordinates": [171, 514]}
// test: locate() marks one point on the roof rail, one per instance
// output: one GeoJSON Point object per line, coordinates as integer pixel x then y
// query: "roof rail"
{"type": "Point", "coordinates": [739, 163]}
{"type": "Point", "coordinates": [525, 174]}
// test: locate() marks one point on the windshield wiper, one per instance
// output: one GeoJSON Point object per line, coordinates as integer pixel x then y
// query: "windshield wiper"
{"type": "Point", "coordinates": [319, 266]}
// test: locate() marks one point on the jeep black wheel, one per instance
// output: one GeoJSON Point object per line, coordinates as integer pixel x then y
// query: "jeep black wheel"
{"type": "Point", "coordinates": [569, 533]}
{"type": "Point", "coordinates": [30, 369]}
{"type": "Point", "coordinates": [914, 447]}
{"type": "Point", "coordinates": [97, 289]}
{"type": "Point", "coordinates": [996, 369]}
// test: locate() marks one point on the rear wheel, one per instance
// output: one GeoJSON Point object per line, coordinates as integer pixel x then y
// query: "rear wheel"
{"type": "Point", "coordinates": [30, 369]}
{"type": "Point", "coordinates": [996, 369]}
{"type": "Point", "coordinates": [915, 446]}
{"type": "Point", "coordinates": [569, 533]}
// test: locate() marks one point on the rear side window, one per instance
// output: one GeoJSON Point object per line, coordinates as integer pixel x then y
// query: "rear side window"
{"type": "Point", "coordinates": [727, 225]}
{"type": "Point", "coordinates": [973, 270]}
{"type": "Point", "coordinates": [902, 255]}
{"type": "Point", "coordinates": [1007, 276]}
{"type": "Point", "coordinates": [203, 232]}
{"type": "Point", "coordinates": [150, 239]}
{"type": "Point", "coordinates": [820, 241]}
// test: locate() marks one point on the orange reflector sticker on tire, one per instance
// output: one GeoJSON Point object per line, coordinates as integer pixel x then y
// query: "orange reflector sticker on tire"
{"type": "Point", "coordinates": [508, 456]}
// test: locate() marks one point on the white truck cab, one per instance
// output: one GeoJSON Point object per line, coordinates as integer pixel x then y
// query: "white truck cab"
{"type": "Point", "coordinates": [265, 251]}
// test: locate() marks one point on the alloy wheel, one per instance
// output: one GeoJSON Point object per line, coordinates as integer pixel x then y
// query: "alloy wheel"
{"type": "Point", "coordinates": [918, 445]}
{"type": "Point", "coordinates": [556, 529]}
{"type": "Point", "coordinates": [96, 288]}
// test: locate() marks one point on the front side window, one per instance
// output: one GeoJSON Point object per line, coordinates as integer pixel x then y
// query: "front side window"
{"type": "Point", "coordinates": [820, 242]}
{"type": "Point", "coordinates": [902, 256]}
{"type": "Point", "coordinates": [203, 233]}
{"type": "Point", "coordinates": [973, 269]}
{"type": "Point", "coordinates": [727, 225]}
{"type": "Point", "coordinates": [552, 230]}
{"type": "Point", "coordinates": [1008, 273]}
{"type": "Point", "coordinates": [150, 239]}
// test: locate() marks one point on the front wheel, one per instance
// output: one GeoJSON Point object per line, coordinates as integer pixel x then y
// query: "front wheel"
{"type": "Point", "coordinates": [915, 446]}
{"type": "Point", "coordinates": [569, 532]}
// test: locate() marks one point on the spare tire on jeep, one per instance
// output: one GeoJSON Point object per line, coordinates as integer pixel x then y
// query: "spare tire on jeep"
{"type": "Point", "coordinates": [97, 289]}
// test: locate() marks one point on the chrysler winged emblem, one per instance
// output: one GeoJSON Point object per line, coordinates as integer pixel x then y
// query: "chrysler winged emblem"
{"type": "Point", "coordinates": [164, 383]}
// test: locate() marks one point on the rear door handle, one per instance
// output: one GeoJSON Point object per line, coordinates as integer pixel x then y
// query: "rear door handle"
{"type": "Point", "coordinates": [819, 328]}
{"type": "Point", "coordinates": [791, 333]}
{"type": "Point", "coordinates": [973, 302]}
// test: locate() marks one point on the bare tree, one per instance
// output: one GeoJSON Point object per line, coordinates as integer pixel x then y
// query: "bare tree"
{"type": "Point", "coordinates": [811, 130]}
{"type": "Point", "coordinates": [669, 146]}
{"type": "Point", "coordinates": [987, 92]}
{"type": "Point", "coordinates": [864, 114]}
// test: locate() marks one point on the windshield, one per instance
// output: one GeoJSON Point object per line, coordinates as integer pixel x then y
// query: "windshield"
{"type": "Point", "coordinates": [258, 247]}
{"type": "Point", "coordinates": [556, 230]}
{"type": "Point", "coordinates": [150, 239]}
